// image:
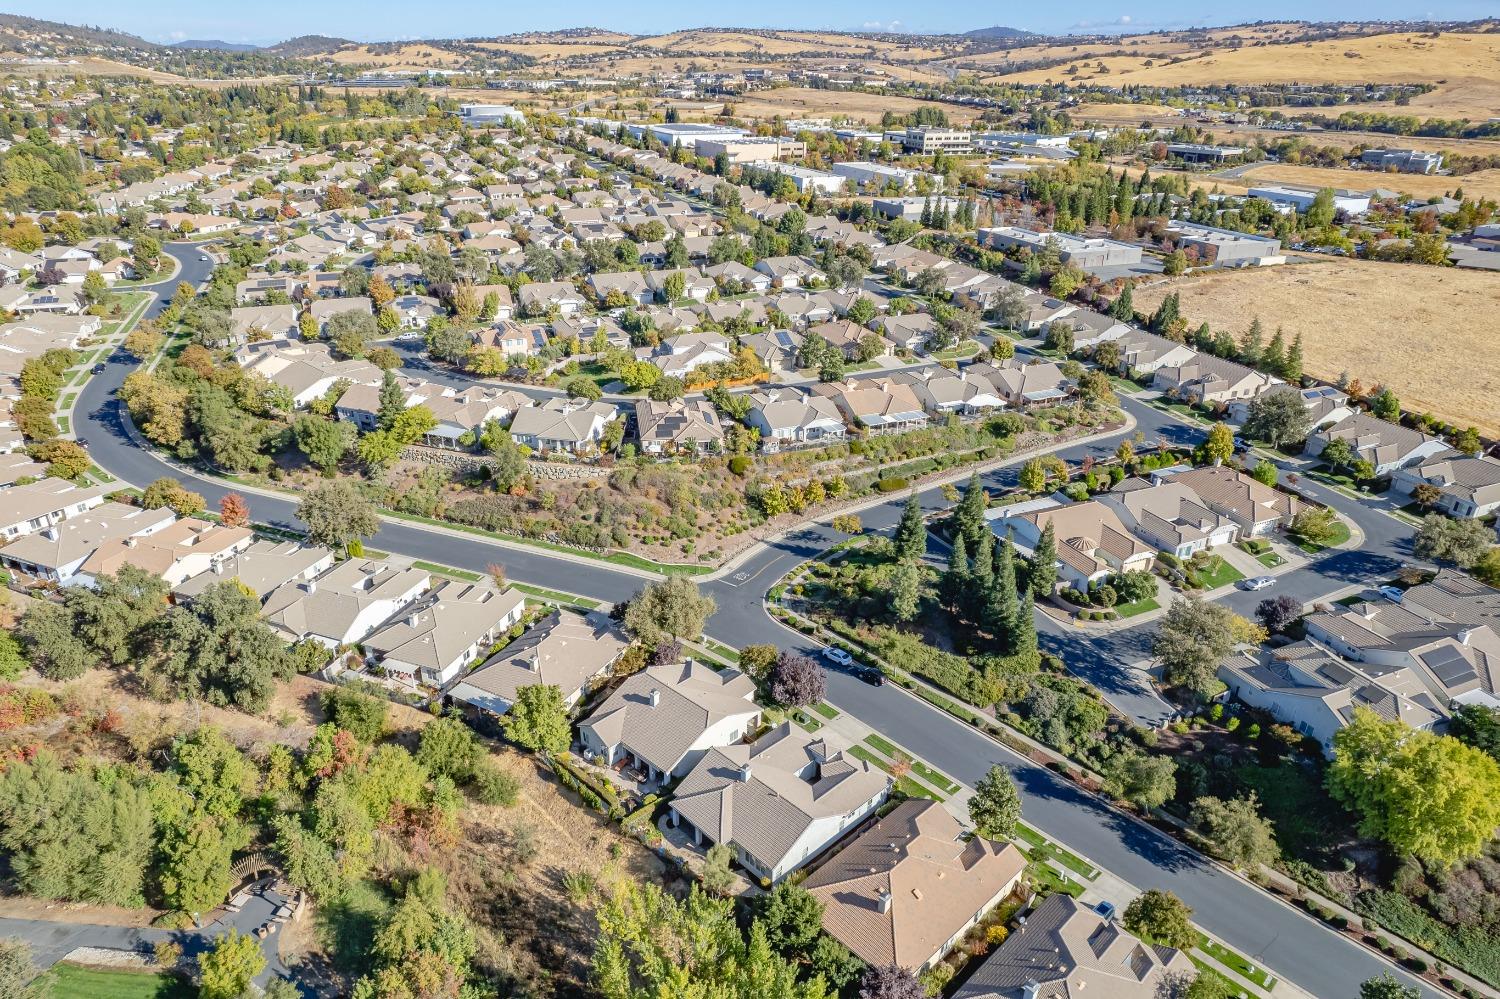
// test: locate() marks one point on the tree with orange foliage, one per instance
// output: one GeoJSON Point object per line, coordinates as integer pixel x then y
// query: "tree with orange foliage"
{"type": "Point", "coordinates": [234, 511]}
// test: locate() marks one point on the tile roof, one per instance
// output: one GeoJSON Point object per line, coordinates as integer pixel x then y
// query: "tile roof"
{"type": "Point", "coordinates": [690, 698]}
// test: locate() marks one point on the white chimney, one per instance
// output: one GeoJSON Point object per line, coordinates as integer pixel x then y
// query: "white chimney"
{"type": "Point", "coordinates": [50, 533]}
{"type": "Point", "coordinates": [884, 901]}
{"type": "Point", "coordinates": [1031, 989]}
{"type": "Point", "coordinates": [411, 619]}
{"type": "Point", "coordinates": [654, 697]}
{"type": "Point", "coordinates": [218, 568]}
{"type": "Point", "coordinates": [310, 585]}
{"type": "Point", "coordinates": [745, 774]}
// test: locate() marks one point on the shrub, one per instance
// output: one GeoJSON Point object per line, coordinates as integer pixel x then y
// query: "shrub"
{"type": "Point", "coordinates": [1169, 560]}
{"type": "Point", "coordinates": [739, 464]}
{"type": "Point", "coordinates": [891, 485]}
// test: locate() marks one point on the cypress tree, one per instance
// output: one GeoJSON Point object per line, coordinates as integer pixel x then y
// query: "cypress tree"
{"type": "Point", "coordinates": [911, 533]}
{"type": "Point", "coordinates": [1123, 307]}
{"type": "Point", "coordinates": [392, 401]}
{"type": "Point", "coordinates": [956, 580]}
{"type": "Point", "coordinates": [1023, 638]}
{"type": "Point", "coordinates": [1224, 344]}
{"type": "Point", "coordinates": [969, 515]}
{"type": "Point", "coordinates": [1292, 369]}
{"type": "Point", "coordinates": [1274, 357]}
{"type": "Point", "coordinates": [1002, 602]}
{"type": "Point", "coordinates": [1251, 346]}
{"type": "Point", "coordinates": [1043, 579]}
{"type": "Point", "coordinates": [981, 577]}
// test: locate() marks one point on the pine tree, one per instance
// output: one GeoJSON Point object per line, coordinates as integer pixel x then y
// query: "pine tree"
{"type": "Point", "coordinates": [969, 515]}
{"type": "Point", "coordinates": [1123, 307]}
{"type": "Point", "coordinates": [1002, 605]}
{"type": "Point", "coordinates": [1043, 577]}
{"type": "Point", "coordinates": [1023, 637]}
{"type": "Point", "coordinates": [981, 577]}
{"type": "Point", "coordinates": [392, 401]}
{"type": "Point", "coordinates": [1224, 344]}
{"type": "Point", "coordinates": [1274, 357]}
{"type": "Point", "coordinates": [1203, 338]}
{"type": "Point", "coordinates": [956, 579]}
{"type": "Point", "coordinates": [1252, 345]}
{"type": "Point", "coordinates": [927, 212]}
{"type": "Point", "coordinates": [1292, 369]}
{"type": "Point", "coordinates": [911, 533]}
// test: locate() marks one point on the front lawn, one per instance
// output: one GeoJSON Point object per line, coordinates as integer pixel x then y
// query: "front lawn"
{"type": "Point", "coordinates": [1337, 535]}
{"type": "Point", "coordinates": [1222, 575]}
{"type": "Point", "coordinates": [1139, 607]}
{"type": "Point", "coordinates": [74, 981]}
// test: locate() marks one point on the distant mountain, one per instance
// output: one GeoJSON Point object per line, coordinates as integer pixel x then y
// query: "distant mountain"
{"type": "Point", "coordinates": [17, 29]}
{"type": "Point", "coordinates": [215, 44]}
{"type": "Point", "coordinates": [998, 32]}
{"type": "Point", "coordinates": [308, 45]}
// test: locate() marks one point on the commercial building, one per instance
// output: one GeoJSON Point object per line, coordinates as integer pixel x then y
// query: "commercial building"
{"type": "Point", "coordinates": [751, 148]}
{"type": "Point", "coordinates": [1078, 250]}
{"type": "Point", "coordinates": [1226, 247]}
{"type": "Point", "coordinates": [879, 176]}
{"type": "Point", "coordinates": [1301, 199]}
{"type": "Point", "coordinates": [1402, 160]}
{"type": "Point", "coordinates": [807, 179]}
{"type": "Point", "coordinates": [490, 114]}
{"type": "Point", "coordinates": [911, 208]}
{"type": "Point", "coordinates": [1197, 152]}
{"type": "Point", "coordinates": [926, 141]}
{"type": "Point", "coordinates": [688, 134]}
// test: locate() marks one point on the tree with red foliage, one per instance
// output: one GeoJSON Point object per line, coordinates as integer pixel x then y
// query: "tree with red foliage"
{"type": "Point", "coordinates": [234, 511]}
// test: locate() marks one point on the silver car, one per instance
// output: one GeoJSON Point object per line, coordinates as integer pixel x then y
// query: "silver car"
{"type": "Point", "coordinates": [1260, 582]}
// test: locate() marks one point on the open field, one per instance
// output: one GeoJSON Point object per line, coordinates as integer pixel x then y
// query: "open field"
{"type": "Point", "coordinates": [73, 981]}
{"type": "Point", "coordinates": [1481, 183]}
{"type": "Point", "coordinates": [1124, 114]}
{"type": "Point", "coordinates": [798, 102]}
{"type": "Point", "coordinates": [1427, 332]}
{"type": "Point", "coordinates": [1473, 99]}
{"type": "Point", "coordinates": [1393, 58]}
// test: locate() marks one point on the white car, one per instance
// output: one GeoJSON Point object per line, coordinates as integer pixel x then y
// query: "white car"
{"type": "Point", "coordinates": [205, 258]}
{"type": "Point", "coordinates": [837, 656]}
{"type": "Point", "coordinates": [1260, 582]}
{"type": "Point", "coordinates": [1392, 593]}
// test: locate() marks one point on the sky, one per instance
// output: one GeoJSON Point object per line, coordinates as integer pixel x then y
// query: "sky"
{"type": "Point", "coordinates": [268, 21]}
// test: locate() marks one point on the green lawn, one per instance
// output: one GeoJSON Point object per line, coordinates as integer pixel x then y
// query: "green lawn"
{"type": "Point", "coordinates": [919, 768]}
{"type": "Point", "coordinates": [1235, 963]}
{"type": "Point", "coordinates": [445, 570]}
{"type": "Point", "coordinates": [805, 721]}
{"type": "Point", "coordinates": [1049, 881]}
{"type": "Point", "coordinates": [1338, 535]}
{"type": "Point", "coordinates": [1139, 607]}
{"type": "Point", "coordinates": [905, 784]}
{"type": "Point", "coordinates": [1270, 560]}
{"type": "Point", "coordinates": [1229, 988]}
{"type": "Point", "coordinates": [1040, 848]}
{"type": "Point", "coordinates": [826, 710]}
{"type": "Point", "coordinates": [72, 981]}
{"type": "Point", "coordinates": [556, 596]}
{"type": "Point", "coordinates": [721, 650]}
{"type": "Point", "coordinates": [1225, 575]}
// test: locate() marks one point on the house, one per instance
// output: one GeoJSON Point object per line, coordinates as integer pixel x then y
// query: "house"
{"type": "Point", "coordinates": [1067, 949]}
{"type": "Point", "coordinates": [775, 349]}
{"type": "Point", "coordinates": [694, 284]}
{"type": "Point", "coordinates": [464, 413]}
{"type": "Point", "coordinates": [260, 568]}
{"type": "Point", "coordinates": [360, 404]}
{"type": "Point", "coordinates": [186, 548]}
{"type": "Point", "coordinates": [43, 503]}
{"type": "Point", "coordinates": [344, 604]}
{"type": "Point", "coordinates": [907, 889]}
{"type": "Point", "coordinates": [1325, 405]}
{"type": "Point", "coordinates": [877, 403]}
{"type": "Point", "coordinates": [1387, 446]}
{"type": "Point", "coordinates": [909, 332]}
{"type": "Point", "coordinates": [1254, 508]}
{"type": "Point", "coordinates": [573, 425]}
{"type": "Point", "coordinates": [1169, 516]}
{"type": "Point", "coordinates": [416, 311]}
{"type": "Point", "coordinates": [736, 274]}
{"type": "Point", "coordinates": [790, 272]}
{"type": "Point", "coordinates": [1316, 692]}
{"type": "Point", "coordinates": [942, 391]}
{"type": "Point", "coordinates": [779, 801]}
{"type": "Point", "coordinates": [666, 718]}
{"type": "Point", "coordinates": [678, 426]}
{"type": "Point", "coordinates": [631, 285]}
{"type": "Point", "coordinates": [1092, 542]}
{"type": "Point", "coordinates": [431, 640]}
{"type": "Point", "coordinates": [1467, 486]}
{"type": "Point", "coordinates": [306, 370]}
{"type": "Point", "coordinates": [565, 650]}
{"type": "Point", "coordinates": [15, 467]}
{"type": "Point", "coordinates": [790, 416]}
{"type": "Point", "coordinates": [55, 552]}
{"type": "Point", "coordinates": [1208, 380]}
{"type": "Point", "coordinates": [680, 355]}
{"type": "Point", "coordinates": [540, 296]}
{"type": "Point", "coordinates": [1025, 385]}
{"type": "Point", "coordinates": [324, 309]}
{"type": "Point", "coordinates": [252, 323]}
{"type": "Point", "coordinates": [1144, 353]}
{"type": "Point", "coordinates": [849, 338]}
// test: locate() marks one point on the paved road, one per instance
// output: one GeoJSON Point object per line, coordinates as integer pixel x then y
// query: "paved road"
{"type": "Point", "coordinates": [1289, 943]}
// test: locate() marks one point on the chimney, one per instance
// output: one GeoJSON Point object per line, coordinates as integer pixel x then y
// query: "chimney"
{"type": "Point", "coordinates": [745, 774]}
{"type": "Point", "coordinates": [411, 619]}
{"type": "Point", "coordinates": [884, 901]}
{"type": "Point", "coordinates": [654, 697]}
{"type": "Point", "coordinates": [310, 585]}
{"type": "Point", "coordinates": [218, 567]}
{"type": "Point", "coordinates": [1031, 989]}
{"type": "Point", "coordinates": [130, 542]}
{"type": "Point", "coordinates": [50, 533]}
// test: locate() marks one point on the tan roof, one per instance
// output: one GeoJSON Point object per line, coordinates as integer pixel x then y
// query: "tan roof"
{"type": "Point", "coordinates": [1241, 496]}
{"type": "Point", "coordinates": [159, 553]}
{"type": "Point", "coordinates": [44, 498]}
{"type": "Point", "coordinates": [80, 535]}
{"type": "Point", "coordinates": [898, 892]}
{"type": "Point", "coordinates": [690, 698]}
{"type": "Point", "coordinates": [564, 650]}
{"type": "Point", "coordinates": [330, 604]}
{"type": "Point", "coordinates": [262, 567]}
{"type": "Point", "coordinates": [436, 630]}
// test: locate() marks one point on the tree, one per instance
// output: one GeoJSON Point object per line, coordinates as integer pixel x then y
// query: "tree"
{"type": "Point", "coordinates": [1235, 831]}
{"type": "Point", "coordinates": [672, 608]}
{"type": "Point", "coordinates": [1387, 987]}
{"type": "Point", "coordinates": [995, 807]}
{"type": "Point", "coordinates": [144, 341]}
{"type": "Point", "coordinates": [1265, 473]}
{"type": "Point", "coordinates": [1338, 453]}
{"type": "Point", "coordinates": [350, 332]}
{"type": "Point", "coordinates": [1428, 795]}
{"type": "Point", "coordinates": [891, 982]}
{"type": "Point", "coordinates": [48, 634]}
{"type": "Point", "coordinates": [1218, 447]}
{"type": "Point", "coordinates": [906, 591]}
{"type": "Point", "coordinates": [234, 511]}
{"type": "Point", "coordinates": [17, 972]}
{"type": "Point", "coordinates": [1146, 781]}
{"type": "Point", "coordinates": [797, 681]}
{"type": "Point", "coordinates": [218, 649]}
{"type": "Point", "coordinates": [1386, 406]}
{"type": "Point", "coordinates": [581, 387]}
{"type": "Point", "coordinates": [1193, 638]}
{"type": "Point", "coordinates": [336, 514]}
{"type": "Point", "coordinates": [1175, 264]}
{"type": "Point", "coordinates": [1477, 725]}
{"type": "Point", "coordinates": [911, 533]}
{"type": "Point", "coordinates": [363, 716]}
{"type": "Point", "coordinates": [324, 441]}
{"type": "Point", "coordinates": [1460, 541]}
{"type": "Point", "coordinates": [1160, 917]}
{"type": "Point", "coordinates": [538, 720]}
{"type": "Point", "coordinates": [1033, 475]}
{"type": "Point", "coordinates": [1314, 525]}
{"type": "Point", "coordinates": [1276, 614]}
{"type": "Point", "coordinates": [65, 459]}
{"type": "Point", "coordinates": [793, 918]}
{"type": "Point", "coordinates": [227, 968]}
{"type": "Point", "coordinates": [165, 492]}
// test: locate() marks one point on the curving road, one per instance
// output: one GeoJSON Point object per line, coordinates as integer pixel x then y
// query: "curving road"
{"type": "Point", "coordinates": [1289, 943]}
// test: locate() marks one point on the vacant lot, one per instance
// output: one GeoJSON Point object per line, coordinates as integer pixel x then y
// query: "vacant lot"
{"type": "Point", "coordinates": [1481, 183]}
{"type": "Point", "coordinates": [794, 102]}
{"type": "Point", "coordinates": [1427, 332]}
{"type": "Point", "coordinates": [72, 981]}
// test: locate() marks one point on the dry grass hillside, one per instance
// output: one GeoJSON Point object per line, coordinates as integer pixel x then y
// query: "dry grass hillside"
{"type": "Point", "coordinates": [793, 102]}
{"type": "Point", "coordinates": [1481, 183]}
{"type": "Point", "coordinates": [1456, 59]}
{"type": "Point", "coordinates": [1427, 332]}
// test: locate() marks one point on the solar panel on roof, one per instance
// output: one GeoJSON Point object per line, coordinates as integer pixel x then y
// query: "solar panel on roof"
{"type": "Point", "coordinates": [1449, 666]}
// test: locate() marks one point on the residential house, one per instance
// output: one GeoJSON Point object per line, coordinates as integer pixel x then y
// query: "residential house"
{"type": "Point", "coordinates": [665, 719]}
{"type": "Point", "coordinates": [1325, 405]}
{"type": "Point", "coordinates": [1208, 380]}
{"type": "Point", "coordinates": [16, 467]}
{"type": "Point", "coordinates": [1067, 949]}
{"type": "Point", "coordinates": [779, 801]}
{"type": "Point", "coordinates": [55, 552]}
{"type": "Point", "coordinates": [735, 274]}
{"type": "Point", "coordinates": [260, 568]}
{"type": "Point", "coordinates": [775, 349]}
{"type": "Point", "coordinates": [253, 323]}
{"type": "Point", "coordinates": [632, 285]}
{"type": "Point", "coordinates": [905, 891]}
{"type": "Point", "coordinates": [344, 604]}
{"type": "Point", "coordinates": [1254, 508]}
{"type": "Point", "coordinates": [431, 640]}
{"type": "Point", "coordinates": [910, 331]}
{"type": "Point", "coordinates": [887, 404]}
{"type": "Point", "coordinates": [1468, 486]}
{"type": "Point", "coordinates": [1093, 543]}
{"type": "Point", "coordinates": [1025, 385]}
{"type": "Point", "coordinates": [416, 311]}
{"type": "Point", "coordinates": [464, 413]}
{"type": "Point", "coordinates": [540, 296]}
{"type": "Point", "coordinates": [186, 548]}
{"type": "Point", "coordinates": [572, 425]}
{"type": "Point", "coordinates": [566, 650]}
{"type": "Point", "coordinates": [790, 272]}
{"type": "Point", "coordinates": [1169, 516]}
{"type": "Point", "coordinates": [1386, 446]}
{"type": "Point", "coordinates": [964, 392]}
{"type": "Point", "coordinates": [41, 504]}
{"type": "Point", "coordinates": [678, 426]}
{"type": "Point", "coordinates": [324, 309]}
{"type": "Point", "coordinates": [787, 416]}
{"type": "Point", "coordinates": [680, 355]}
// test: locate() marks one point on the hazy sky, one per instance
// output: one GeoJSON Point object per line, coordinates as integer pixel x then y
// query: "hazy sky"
{"type": "Point", "coordinates": [265, 21]}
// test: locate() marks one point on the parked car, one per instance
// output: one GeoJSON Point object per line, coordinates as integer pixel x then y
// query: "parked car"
{"type": "Point", "coordinates": [1392, 593]}
{"type": "Point", "coordinates": [1260, 582]}
{"type": "Point", "coordinates": [99, 368]}
{"type": "Point", "coordinates": [837, 656]}
{"type": "Point", "coordinates": [874, 677]}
